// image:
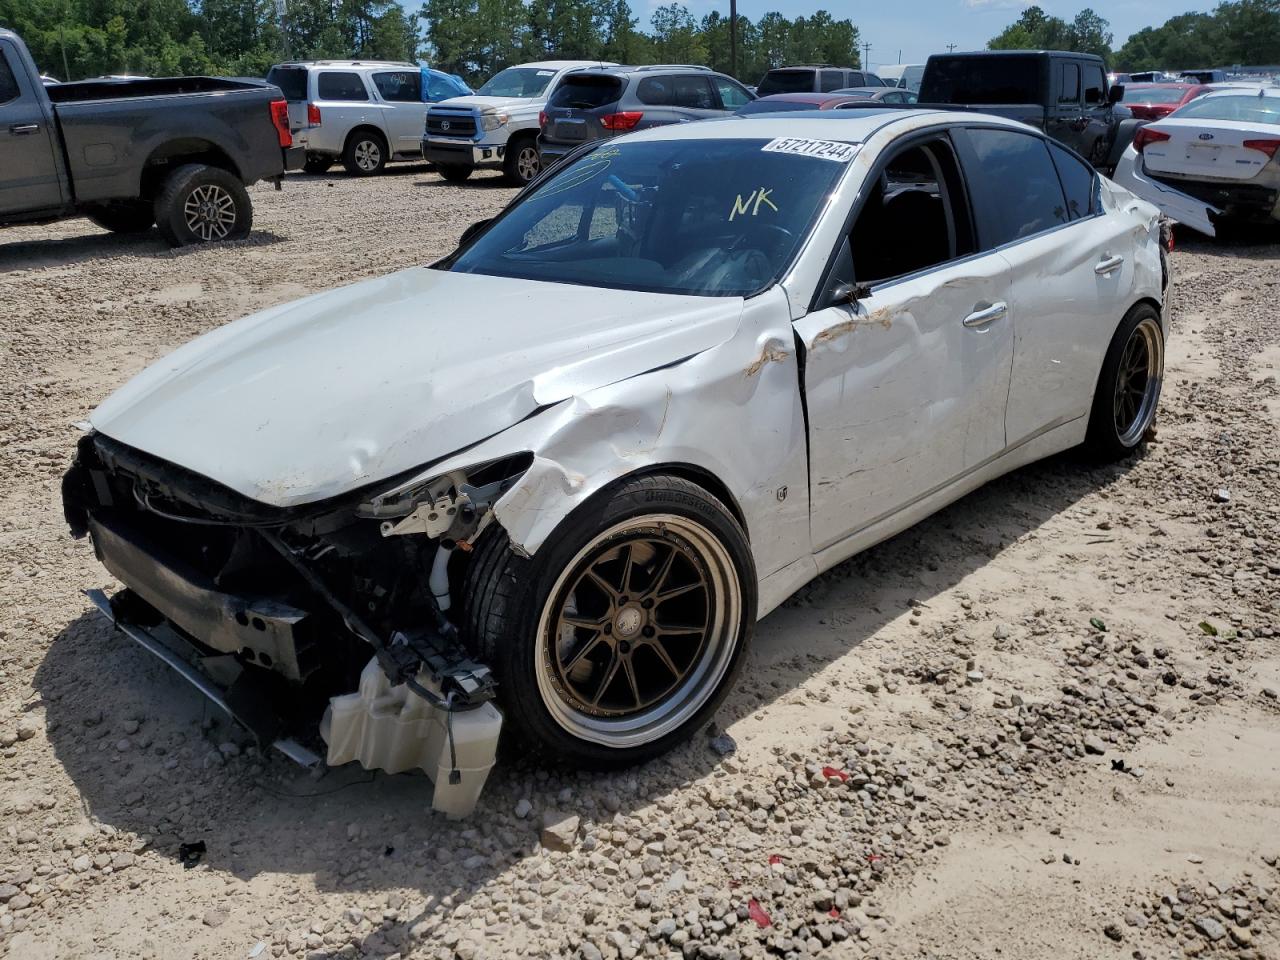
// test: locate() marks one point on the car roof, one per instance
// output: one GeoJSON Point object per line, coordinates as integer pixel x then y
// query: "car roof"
{"type": "Point", "coordinates": [864, 89]}
{"type": "Point", "coordinates": [846, 126]}
{"type": "Point", "coordinates": [1159, 86]}
{"type": "Point", "coordinates": [1238, 89]}
{"type": "Point", "coordinates": [562, 64]}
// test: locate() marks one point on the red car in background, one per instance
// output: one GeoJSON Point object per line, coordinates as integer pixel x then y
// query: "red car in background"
{"type": "Point", "coordinates": [1154, 101]}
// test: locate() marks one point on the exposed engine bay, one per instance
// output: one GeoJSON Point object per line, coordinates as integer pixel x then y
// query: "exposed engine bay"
{"type": "Point", "coordinates": [286, 609]}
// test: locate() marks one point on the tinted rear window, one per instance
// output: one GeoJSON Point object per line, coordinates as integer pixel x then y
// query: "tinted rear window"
{"type": "Point", "coordinates": [785, 81]}
{"type": "Point", "coordinates": [984, 80]}
{"type": "Point", "coordinates": [341, 86]}
{"type": "Point", "coordinates": [585, 92]}
{"type": "Point", "coordinates": [1017, 164]}
{"type": "Point", "coordinates": [292, 82]}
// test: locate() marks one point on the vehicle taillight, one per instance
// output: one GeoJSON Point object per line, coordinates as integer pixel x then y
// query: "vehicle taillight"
{"type": "Point", "coordinates": [313, 115]}
{"type": "Point", "coordinates": [280, 117]}
{"type": "Point", "coordinates": [542, 118]}
{"type": "Point", "coordinates": [1146, 135]}
{"type": "Point", "coordinates": [1267, 146]}
{"type": "Point", "coordinates": [621, 121]}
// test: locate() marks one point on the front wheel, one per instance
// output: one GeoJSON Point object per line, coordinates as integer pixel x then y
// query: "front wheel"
{"type": "Point", "coordinates": [199, 203]}
{"type": "Point", "coordinates": [1128, 392]}
{"type": "Point", "coordinates": [522, 163]}
{"type": "Point", "coordinates": [454, 173]}
{"type": "Point", "coordinates": [624, 632]}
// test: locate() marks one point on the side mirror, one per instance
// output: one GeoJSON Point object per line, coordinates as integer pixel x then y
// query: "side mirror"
{"type": "Point", "coordinates": [845, 292]}
{"type": "Point", "coordinates": [472, 230]}
{"type": "Point", "coordinates": [1115, 94]}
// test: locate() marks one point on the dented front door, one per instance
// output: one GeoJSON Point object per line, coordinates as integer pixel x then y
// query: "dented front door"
{"type": "Point", "coordinates": [906, 391]}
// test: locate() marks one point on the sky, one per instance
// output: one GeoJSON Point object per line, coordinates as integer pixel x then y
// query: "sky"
{"type": "Point", "coordinates": [918, 28]}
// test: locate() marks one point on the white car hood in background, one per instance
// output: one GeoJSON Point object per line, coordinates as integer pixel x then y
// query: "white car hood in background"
{"type": "Point", "coordinates": [317, 397]}
{"type": "Point", "coordinates": [506, 104]}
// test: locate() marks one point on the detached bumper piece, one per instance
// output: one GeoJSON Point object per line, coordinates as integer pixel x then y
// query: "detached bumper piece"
{"type": "Point", "coordinates": [390, 728]}
{"type": "Point", "coordinates": [149, 638]}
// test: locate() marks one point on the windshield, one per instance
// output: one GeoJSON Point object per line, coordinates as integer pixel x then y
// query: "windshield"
{"type": "Point", "coordinates": [785, 81]}
{"type": "Point", "coordinates": [1153, 94]}
{"type": "Point", "coordinates": [718, 218]}
{"type": "Point", "coordinates": [526, 82]}
{"type": "Point", "coordinates": [1250, 109]}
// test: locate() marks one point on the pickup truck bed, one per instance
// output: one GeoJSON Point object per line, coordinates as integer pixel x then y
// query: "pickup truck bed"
{"type": "Point", "coordinates": [177, 152]}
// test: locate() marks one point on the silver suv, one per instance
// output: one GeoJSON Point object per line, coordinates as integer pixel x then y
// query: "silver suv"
{"type": "Point", "coordinates": [362, 112]}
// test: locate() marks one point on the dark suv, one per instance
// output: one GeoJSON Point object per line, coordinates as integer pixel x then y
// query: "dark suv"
{"type": "Point", "coordinates": [603, 102]}
{"type": "Point", "coordinates": [815, 78]}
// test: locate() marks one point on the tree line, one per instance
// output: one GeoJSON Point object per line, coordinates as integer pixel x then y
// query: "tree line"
{"type": "Point", "coordinates": [75, 39]}
{"type": "Point", "coordinates": [1245, 32]}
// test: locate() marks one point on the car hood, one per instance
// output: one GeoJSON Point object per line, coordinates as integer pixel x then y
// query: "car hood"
{"type": "Point", "coordinates": [315, 398]}
{"type": "Point", "coordinates": [497, 103]}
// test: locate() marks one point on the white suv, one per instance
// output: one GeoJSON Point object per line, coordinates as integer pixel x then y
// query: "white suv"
{"type": "Point", "coordinates": [362, 112]}
{"type": "Point", "coordinates": [498, 127]}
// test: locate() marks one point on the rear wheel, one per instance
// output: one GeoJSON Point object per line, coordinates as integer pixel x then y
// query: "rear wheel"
{"type": "Point", "coordinates": [623, 633]}
{"type": "Point", "coordinates": [199, 203]}
{"type": "Point", "coordinates": [1128, 392]}
{"type": "Point", "coordinates": [454, 174]}
{"type": "Point", "coordinates": [522, 163]}
{"type": "Point", "coordinates": [124, 216]}
{"type": "Point", "coordinates": [365, 154]}
{"type": "Point", "coordinates": [318, 163]}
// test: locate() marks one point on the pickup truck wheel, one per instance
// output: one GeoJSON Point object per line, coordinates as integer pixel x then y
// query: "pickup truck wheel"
{"type": "Point", "coordinates": [622, 634]}
{"type": "Point", "coordinates": [317, 163]}
{"type": "Point", "coordinates": [522, 162]}
{"type": "Point", "coordinates": [454, 174]}
{"type": "Point", "coordinates": [365, 154]}
{"type": "Point", "coordinates": [199, 204]}
{"type": "Point", "coordinates": [1128, 391]}
{"type": "Point", "coordinates": [125, 216]}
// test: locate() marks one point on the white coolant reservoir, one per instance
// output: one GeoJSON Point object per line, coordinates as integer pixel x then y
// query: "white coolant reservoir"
{"type": "Point", "coordinates": [391, 728]}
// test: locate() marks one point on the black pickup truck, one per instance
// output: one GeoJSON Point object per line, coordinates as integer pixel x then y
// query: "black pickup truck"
{"type": "Point", "coordinates": [1064, 94]}
{"type": "Point", "coordinates": [175, 152]}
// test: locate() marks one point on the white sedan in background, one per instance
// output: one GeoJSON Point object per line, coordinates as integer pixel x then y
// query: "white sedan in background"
{"type": "Point", "coordinates": [1211, 162]}
{"type": "Point", "coordinates": [678, 377]}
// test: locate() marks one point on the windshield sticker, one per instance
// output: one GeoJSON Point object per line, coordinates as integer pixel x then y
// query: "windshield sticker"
{"type": "Point", "coordinates": [751, 205]}
{"type": "Point", "coordinates": [822, 149]}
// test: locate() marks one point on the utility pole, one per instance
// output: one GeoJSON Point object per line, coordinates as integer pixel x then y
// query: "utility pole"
{"type": "Point", "coordinates": [866, 56]}
{"type": "Point", "coordinates": [733, 38]}
{"type": "Point", "coordinates": [282, 11]}
{"type": "Point", "coordinates": [950, 47]}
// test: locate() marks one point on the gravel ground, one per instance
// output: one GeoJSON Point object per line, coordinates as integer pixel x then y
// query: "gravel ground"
{"type": "Point", "coordinates": [1043, 723]}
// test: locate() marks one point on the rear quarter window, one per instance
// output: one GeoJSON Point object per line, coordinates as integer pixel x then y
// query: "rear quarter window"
{"type": "Point", "coordinates": [399, 86]}
{"type": "Point", "coordinates": [339, 85]}
{"type": "Point", "coordinates": [1079, 183]}
{"type": "Point", "coordinates": [292, 81]}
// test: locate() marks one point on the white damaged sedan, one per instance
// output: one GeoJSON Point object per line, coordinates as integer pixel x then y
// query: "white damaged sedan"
{"type": "Point", "coordinates": [571, 464]}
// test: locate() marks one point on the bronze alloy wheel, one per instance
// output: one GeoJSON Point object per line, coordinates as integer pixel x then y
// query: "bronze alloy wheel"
{"type": "Point", "coordinates": [638, 630]}
{"type": "Point", "coordinates": [1138, 382]}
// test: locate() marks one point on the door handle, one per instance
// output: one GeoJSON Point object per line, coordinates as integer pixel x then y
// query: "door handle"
{"type": "Point", "coordinates": [1105, 266]}
{"type": "Point", "coordinates": [19, 129]}
{"type": "Point", "coordinates": [980, 318]}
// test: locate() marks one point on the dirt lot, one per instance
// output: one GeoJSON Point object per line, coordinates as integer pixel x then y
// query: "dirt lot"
{"type": "Point", "coordinates": [1042, 724]}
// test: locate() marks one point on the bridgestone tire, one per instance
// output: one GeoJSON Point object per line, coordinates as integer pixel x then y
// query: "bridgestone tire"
{"type": "Point", "coordinates": [125, 216]}
{"type": "Point", "coordinates": [454, 174]}
{"type": "Point", "coordinates": [506, 599]}
{"type": "Point", "coordinates": [183, 193]}
{"type": "Point", "coordinates": [1104, 440]}
{"type": "Point", "coordinates": [360, 146]}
